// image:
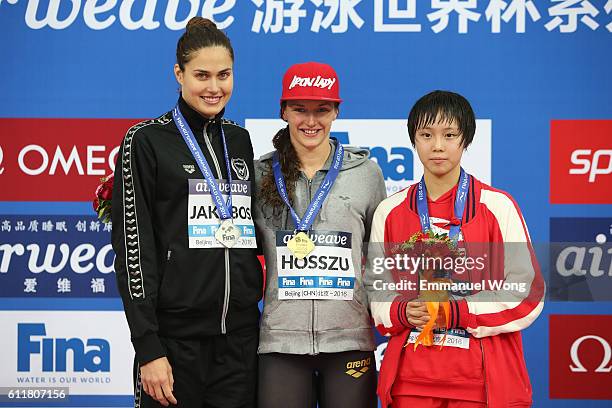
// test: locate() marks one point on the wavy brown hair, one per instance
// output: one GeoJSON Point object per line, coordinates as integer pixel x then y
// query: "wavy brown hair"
{"type": "Point", "coordinates": [290, 167]}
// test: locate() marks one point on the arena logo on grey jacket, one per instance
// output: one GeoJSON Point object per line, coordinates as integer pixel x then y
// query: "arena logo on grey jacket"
{"type": "Point", "coordinates": [312, 326]}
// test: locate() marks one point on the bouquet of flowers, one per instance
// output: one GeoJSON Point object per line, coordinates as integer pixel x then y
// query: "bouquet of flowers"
{"type": "Point", "coordinates": [104, 195]}
{"type": "Point", "coordinates": [432, 246]}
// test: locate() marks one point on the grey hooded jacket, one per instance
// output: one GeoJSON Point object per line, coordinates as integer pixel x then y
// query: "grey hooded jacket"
{"type": "Point", "coordinates": [303, 326]}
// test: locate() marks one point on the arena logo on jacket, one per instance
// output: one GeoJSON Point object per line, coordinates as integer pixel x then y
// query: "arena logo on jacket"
{"type": "Point", "coordinates": [203, 217]}
{"type": "Point", "coordinates": [580, 357]}
{"type": "Point", "coordinates": [581, 259]}
{"type": "Point", "coordinates": [580, 167]}
{"type": "Point", "coordinates": [393, 152]}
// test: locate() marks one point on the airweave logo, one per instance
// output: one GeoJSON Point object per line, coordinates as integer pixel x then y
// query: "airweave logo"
{"type": "Point", "coordinates": [581, 259]}
{"type": "Point", "coordinates": [60, 15]}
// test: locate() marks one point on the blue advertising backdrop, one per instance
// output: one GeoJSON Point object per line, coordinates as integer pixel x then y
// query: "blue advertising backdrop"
{"type": "Point", "coordinates": [520, 63]}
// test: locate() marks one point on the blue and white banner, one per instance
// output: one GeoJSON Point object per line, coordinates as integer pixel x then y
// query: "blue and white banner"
{"type": "Point", "coordinates": [56, 257]}
{"type": "Point", "coordinates": [76, 350]}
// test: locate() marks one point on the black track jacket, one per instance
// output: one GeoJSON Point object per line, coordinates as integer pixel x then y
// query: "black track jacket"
{"type": "Point", "coordinates": [167, 288]}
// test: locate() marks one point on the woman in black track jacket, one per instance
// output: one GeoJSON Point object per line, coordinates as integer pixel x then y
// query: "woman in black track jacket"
{"type": "Point", "coordinates": [183, 233]}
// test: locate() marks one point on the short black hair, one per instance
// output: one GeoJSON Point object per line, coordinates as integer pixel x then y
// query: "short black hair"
{"type": "Point", "coordinates": [443, 106]}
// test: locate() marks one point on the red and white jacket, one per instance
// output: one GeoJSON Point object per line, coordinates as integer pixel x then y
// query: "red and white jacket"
{"type": "Point", "coordinates": [490, 216]}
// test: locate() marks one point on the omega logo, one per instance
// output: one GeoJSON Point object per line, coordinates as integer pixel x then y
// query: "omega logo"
{"type": "Point", "coordinates": [577, 366]}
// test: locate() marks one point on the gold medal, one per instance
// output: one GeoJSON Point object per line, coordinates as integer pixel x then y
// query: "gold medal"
{"type": "Point", "coordinates": [300, 245]}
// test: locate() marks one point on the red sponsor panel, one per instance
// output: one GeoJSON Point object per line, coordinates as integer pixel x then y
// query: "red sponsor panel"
{"type": "Point", "coordinates": [581, 162]}
{"type": "Point", "coordinates": [580, 356]}
{"type": "Point", "coordinates": [57, 159]}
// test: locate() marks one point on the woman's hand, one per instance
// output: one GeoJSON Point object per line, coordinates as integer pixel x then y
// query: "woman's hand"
{"type": "Point", "coordinates": [417, 314]}
{"type": "Point", "coordinates": [157, 381]}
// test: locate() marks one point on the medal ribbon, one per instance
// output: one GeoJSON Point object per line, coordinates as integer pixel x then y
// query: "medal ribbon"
{"type": "Point", "coordinates": [225, 208]}
{"type": "Point", "coordinates": [426, 336]}
{"type": "Point", "coordinates": [460, 199]}
{"type": "Point", "coordinates": [314, 207]}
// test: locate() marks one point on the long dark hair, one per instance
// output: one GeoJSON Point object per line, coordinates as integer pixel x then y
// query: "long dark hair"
{"type": "Point", "coordinates": [290, 167]}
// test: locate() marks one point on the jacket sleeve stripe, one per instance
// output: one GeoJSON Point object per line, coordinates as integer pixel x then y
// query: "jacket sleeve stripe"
{"type": "Point", "coordinates": [131, 233]}
{"type": "Point", "coordinates": [494, 312]}
{"type": "Point", "coordinates": [512, 326]}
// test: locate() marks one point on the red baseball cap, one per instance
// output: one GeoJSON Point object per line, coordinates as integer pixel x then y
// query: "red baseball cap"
{"type": "Point", "coordinates": [311, 81]}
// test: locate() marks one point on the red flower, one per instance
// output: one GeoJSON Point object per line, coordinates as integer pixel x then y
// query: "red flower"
{"type": "Point", "coordinates": [105, 190]}
{"type": "Point", "coordinates": [104, 195]}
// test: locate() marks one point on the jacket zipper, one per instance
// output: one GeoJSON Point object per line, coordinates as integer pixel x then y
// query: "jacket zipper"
{"type": "Point", "coordinates": [484, 373]}
{"type": "Point", "coordinates": [314, 351]}
{"type": "Point", "coordinates": [226, 295]}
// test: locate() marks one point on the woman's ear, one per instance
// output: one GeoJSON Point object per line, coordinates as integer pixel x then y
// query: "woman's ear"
{"type": "Point", "coordinates": [178, 74]}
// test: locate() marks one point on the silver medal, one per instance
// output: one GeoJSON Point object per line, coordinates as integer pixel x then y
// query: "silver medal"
{"type": "Point", "coordinates": [227, 233]}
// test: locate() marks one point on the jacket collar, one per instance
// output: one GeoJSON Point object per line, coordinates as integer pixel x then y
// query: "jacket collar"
{"type": "Point", "coordinates": [471, 206]}
{"type": "Point", "coordinates": [196, 121]}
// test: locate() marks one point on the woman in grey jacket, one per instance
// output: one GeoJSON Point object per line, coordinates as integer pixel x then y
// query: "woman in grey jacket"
{"type": "Point", "coordinates": [313, 216]}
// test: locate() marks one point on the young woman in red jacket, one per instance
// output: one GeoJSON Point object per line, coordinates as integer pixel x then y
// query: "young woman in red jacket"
{"type": "Point", "coordinates": [477, 357]}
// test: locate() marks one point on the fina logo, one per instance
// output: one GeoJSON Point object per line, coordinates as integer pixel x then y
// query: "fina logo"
{"type": "Point", "coordinates": [577, 366]}
{"type": "Point", "coordinates": [396, 163]}
{"type": "Point", "coordinates": [94, 356]}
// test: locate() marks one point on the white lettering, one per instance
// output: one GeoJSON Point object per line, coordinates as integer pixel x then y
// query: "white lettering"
{"type": "Point", "coordinates": [100, 258]}
{"type": "Point", "coordinates": [171, 10]}
{"type": "Point", "coordinates": [73, 161]}
{"type": "Point", "coordinates": [595, 169]}
{"type": "Point", "coordinates": [210, 9]}
{"type": "Point", "coordinates": [82, 253]}
{"type": "Point", "coordinates": [591, 166]}
{"type": "Point", "coordinates": [1, 158]}
{"type": "Point", "coordinates": [51, 19]}
{"type": "Point", "coordinates": [91, 160]}
{"type": "Point", "coordinates": [47, 264]}
{"type": "Point", "coordinates": [576, 268]}
{"type": "Point", "coordinates": [66, 164]}
{"type": "Point", "coordinates": [91, 9]}
{"type": "Point", "coordinates": [597, 253]}
{"type": "Point", "coordinates": [146, 21]}
{"type": "Point", "coordinates": [317, 82]}
{"type": "Point", "coordinates": [21, 160]}
{"type": "Point", "coordinates": [586, 163]}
